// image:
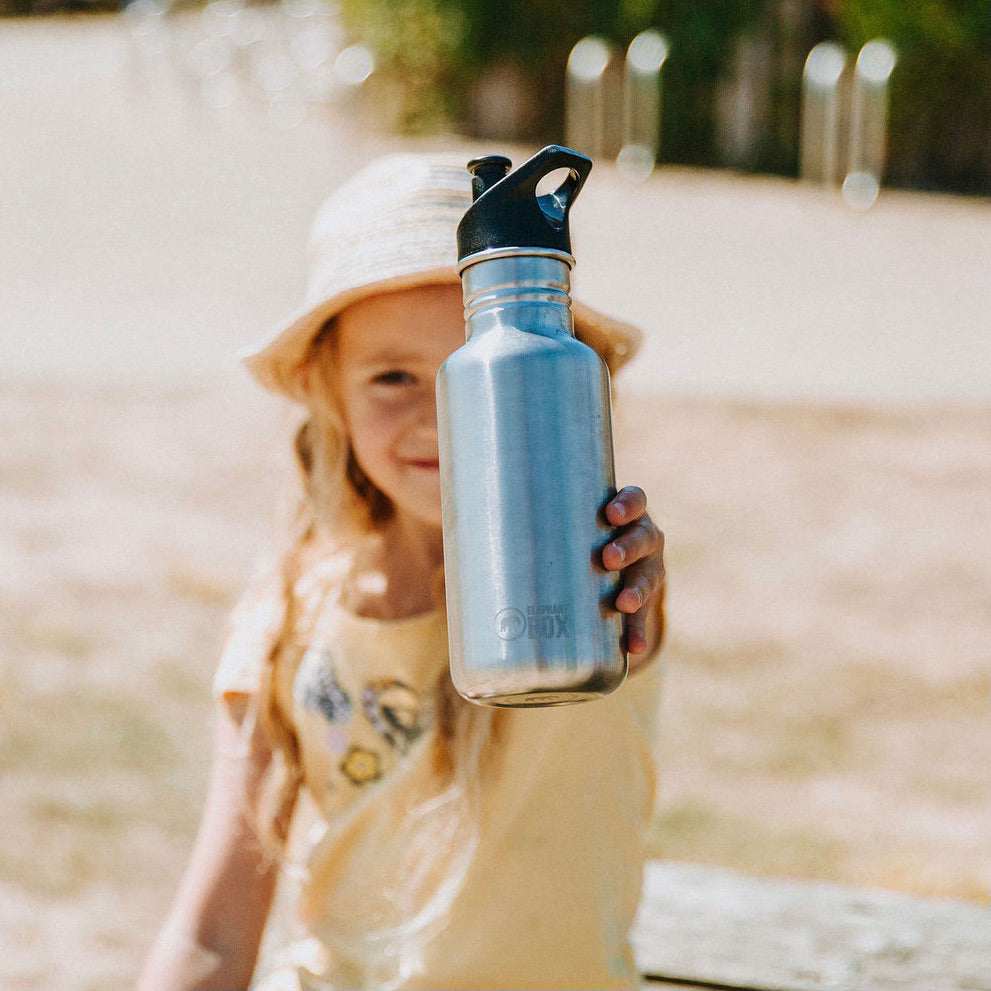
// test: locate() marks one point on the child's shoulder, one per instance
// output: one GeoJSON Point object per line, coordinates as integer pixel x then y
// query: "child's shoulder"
{"type": "Point", "coordinates": [321, 575]}
{"type": "Point", "coordinates": [311, 588]}
{"type": "Point", "coordinates": [271, 602]}
{"type": "Point", "coordinates": [305, 580]}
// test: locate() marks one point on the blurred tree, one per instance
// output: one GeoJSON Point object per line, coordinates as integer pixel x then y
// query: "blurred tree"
{"type": "Point", "coordinates": [940, 119]}
{"type": "Point", "coordinates": [436, 56]}
{"type": "Point", "coordinates": [702, 38]}
{"type": "Point", "coordinates": [419, 50]}
{"type": "Point", "coordinates": [732, 86]}
{"type": "Point", "coordinates": [450, 62]}
{"type": "Point", "coordinates": [24, 8]}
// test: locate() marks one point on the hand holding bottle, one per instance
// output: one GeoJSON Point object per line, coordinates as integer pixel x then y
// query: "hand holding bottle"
{"type": "Point", "coordinates": [637, 553]}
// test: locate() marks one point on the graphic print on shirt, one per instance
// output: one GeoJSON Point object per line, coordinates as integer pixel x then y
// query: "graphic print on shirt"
{"type": "Point", "coordinates": [361, 766]}
{"type": "Point", "coordinates": [396, 712]}
{"type": "Point", "coordinates": [319, 690]}
{"type": "Point", "coordinates": [392, 710]}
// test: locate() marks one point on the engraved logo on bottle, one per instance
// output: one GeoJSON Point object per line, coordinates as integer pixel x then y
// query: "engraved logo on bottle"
{"type": "Point", "coordinates": [541, 622]}
{"type": "Point", "coordinates": [510, 624]}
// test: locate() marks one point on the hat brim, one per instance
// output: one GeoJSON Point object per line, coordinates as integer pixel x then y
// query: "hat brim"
{"type": "Point", "coordinates": [275, 363]}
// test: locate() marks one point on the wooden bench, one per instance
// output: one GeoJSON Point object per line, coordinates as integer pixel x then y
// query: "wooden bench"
{"type": "Point", "coordinates": [711, 928]}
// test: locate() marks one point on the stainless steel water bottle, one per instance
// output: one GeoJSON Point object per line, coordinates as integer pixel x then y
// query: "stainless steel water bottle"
{"type": "Point", "coordinates": [526, 454]}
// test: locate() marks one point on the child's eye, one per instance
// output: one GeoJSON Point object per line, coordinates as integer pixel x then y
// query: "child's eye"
{"type": "Point", "coordinates": [394, 377]}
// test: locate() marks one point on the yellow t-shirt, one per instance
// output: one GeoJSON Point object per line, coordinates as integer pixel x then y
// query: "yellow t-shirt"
{"type": "Point", "coordinates": [454, 846]}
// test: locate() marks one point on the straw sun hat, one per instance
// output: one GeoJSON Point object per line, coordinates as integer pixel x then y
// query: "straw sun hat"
{"type": "Point", "coordinates": [392, 226]}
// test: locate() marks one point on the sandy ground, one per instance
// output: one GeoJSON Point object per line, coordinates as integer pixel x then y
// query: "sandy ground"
{"type": "Point", "coordinates": [825, 706]}
{"type": "Point", "coordinates": [825, 496]}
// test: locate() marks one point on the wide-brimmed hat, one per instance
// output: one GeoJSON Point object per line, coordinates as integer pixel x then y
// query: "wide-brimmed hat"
{"type": "Point", "coordinates": [390, 227]}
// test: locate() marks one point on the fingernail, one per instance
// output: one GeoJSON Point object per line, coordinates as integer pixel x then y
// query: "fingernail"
{"type": "Point", "coordinates": [626, 593]}
{"type": "Point", "coordinates": [619, 552]}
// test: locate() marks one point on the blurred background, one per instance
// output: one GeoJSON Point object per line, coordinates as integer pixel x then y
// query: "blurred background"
{"type": "Point", "coordinates": [790, 197]}
{"type": "Point", "coordinates": [732, 86]}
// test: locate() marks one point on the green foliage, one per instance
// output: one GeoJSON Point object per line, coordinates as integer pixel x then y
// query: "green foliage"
{"type": "Point", "coordinates": [701, 37]}
{"type": "Point", "coordinates": [419, 46]}
{"type": "Point", "coordinates": [940, 127]}
{"type": "Point", "coordinates": [431, 52]}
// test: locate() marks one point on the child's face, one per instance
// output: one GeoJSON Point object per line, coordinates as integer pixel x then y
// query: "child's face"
{"type": "Point", "coordinates": [389, 349]}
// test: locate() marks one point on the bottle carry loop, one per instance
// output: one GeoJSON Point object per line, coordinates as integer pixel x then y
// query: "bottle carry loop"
{"type": "Point", "coordinates": [507, 211]}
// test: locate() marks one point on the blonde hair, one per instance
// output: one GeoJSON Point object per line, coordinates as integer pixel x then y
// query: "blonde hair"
{"type": "Point", "coordinates": [337, 507]}
{"type": "Point", "coordinates": [344, 504]}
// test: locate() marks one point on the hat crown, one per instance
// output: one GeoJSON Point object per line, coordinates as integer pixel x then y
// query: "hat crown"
{"type": "Point", "coordinates": [395, 217]}
{"type": "Point", "coordinates": [390, 227]}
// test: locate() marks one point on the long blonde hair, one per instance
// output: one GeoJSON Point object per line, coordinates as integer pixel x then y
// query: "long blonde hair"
{"type": "Point", "coordinates": [343, 502]}
{"type": "Point", "coordinates": [337, 507]}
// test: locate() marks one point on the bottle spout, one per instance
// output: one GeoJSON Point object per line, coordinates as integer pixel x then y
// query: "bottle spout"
{"type": "Point", "coordinates": [486, 172]}
{"type": "Point", "coordinates": [507, 212]}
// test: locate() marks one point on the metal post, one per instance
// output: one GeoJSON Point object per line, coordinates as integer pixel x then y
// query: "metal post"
{"type": "Point", "coordinates": [586, 96]}
{"type": "Point", "coordinates": [820, 150]}
{"type": "Point", "coordinates": [642, 104]}
{"type": "Point", "coordinates": [869, 123]}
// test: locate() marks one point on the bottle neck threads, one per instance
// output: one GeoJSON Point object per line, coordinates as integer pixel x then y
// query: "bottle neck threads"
{"type": "Point", "coordinates": [507, 279]}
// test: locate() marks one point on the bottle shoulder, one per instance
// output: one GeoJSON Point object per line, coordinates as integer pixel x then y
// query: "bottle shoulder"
{"type": "Point", "coordinates": [523, 362]}
{"type": "Point", "coordinates": [506, 342]}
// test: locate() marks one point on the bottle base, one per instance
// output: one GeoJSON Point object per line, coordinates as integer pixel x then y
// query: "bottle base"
{"type": "Point", "coordinates": [534, 700]}
{"type": "Point", "coordinates": [533, 696]}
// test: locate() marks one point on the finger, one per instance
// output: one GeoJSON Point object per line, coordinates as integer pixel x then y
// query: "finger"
{"type": "Point", "coordinates": [636, 632]}
{"type": "Point", "coordinates": [637, 591]}
{"type": "Point", "coordinates": [629, 504]}
{"type": "Point", "coordinates": [642, 582]}
{"type": "Point", "coordinates": [636, 542]}
{"type": "Point", "coordinates": [635, 623]}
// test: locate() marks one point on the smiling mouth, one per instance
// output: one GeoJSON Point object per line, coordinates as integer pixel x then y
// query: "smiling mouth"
{"type": "Point", "coordinates": [425, 464]}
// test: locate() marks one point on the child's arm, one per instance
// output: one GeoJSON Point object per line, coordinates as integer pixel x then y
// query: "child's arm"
{"type": "Point", "coordinates": [211, 936]}
{"type": "Point", "coordinates": [638, 553]}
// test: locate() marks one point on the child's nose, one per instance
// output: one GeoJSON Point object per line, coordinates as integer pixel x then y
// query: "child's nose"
{"type": "Point", "coordinates": [427, 419]}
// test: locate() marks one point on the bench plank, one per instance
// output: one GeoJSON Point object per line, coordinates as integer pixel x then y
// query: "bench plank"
{"type": "Point", "coordinates": [724, 929]}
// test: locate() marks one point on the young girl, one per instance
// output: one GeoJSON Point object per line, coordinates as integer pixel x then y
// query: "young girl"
{"type": "Point", "coordinates": [435, 843]}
